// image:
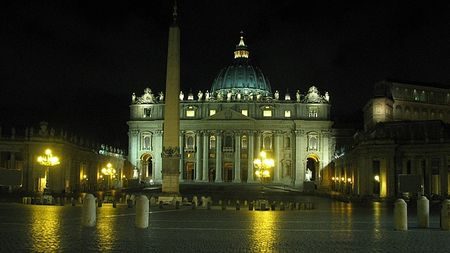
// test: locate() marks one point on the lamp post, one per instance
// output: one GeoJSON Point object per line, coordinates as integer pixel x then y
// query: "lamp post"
{"type": "Point", "coordinates": [48, 160]}
{"type": "Point", "coordinates": [109, 171]}
{"type": "Point", "coordinates": [263, 166]}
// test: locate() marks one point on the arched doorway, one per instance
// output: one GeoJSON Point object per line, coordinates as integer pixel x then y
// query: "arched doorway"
{"type": "Point", "coordinates": [312, 168]}
{"type": "Point", "coordinates": [147, 165]}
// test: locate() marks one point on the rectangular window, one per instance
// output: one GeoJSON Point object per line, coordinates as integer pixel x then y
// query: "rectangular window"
{"type": "Point", "coordinates": [267, 113]}
{"type": "Point", "coordinates": [244, 112]}
{"type": "Point", "coordinates": [190, 113]}
{"type": "Point", "coordinates": [313, 112]}
{"type": "Point", "coordinates": [287, 114]}
{"type": "Point", "coordinates": [212, 112]}
{"type": "Point", "coordinates": [147, 112]}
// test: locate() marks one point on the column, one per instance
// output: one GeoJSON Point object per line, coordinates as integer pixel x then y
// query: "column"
{"type": "Point", "coordinates": [258, 144]}
{"type": "Point", "coordinates": [299, 163]}
{"type": "Point", "coordinates": [219, 157]}
{"type": "Point", "coordinates": [133, 147]}
{"type": "Point", "coordinates": [198, 156]}
{"type": "Point", "coordinates": [181, 165]}
{"type": "Point", "coordinates": [251, 153]}
{"type": "Point", "coordinates": [205, 157]}
{"type": "Point", "coordinates": [237, 157]}
{"type": "Point", "coordinates": [277, 168]}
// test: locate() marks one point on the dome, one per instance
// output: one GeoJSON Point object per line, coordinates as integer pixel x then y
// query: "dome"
{"type": "Point", "coordinates": [241, 76]}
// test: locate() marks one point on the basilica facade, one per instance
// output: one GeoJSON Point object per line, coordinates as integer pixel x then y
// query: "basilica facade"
{"type": "Point", "coordinates": [223, 129]}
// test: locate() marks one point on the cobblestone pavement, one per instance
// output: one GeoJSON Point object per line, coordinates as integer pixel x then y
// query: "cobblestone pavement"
{"type": "Point", "coordinates": [330, 227]}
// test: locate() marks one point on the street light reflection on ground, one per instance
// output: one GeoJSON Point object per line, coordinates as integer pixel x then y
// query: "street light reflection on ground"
{"type": "Point", "coordinates": [48, 160]}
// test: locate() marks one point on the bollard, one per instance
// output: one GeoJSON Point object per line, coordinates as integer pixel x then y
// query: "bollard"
{"type": "Point", "coordinates": [203, 200]}
{"type": "Point", "coordinates": [220, 202]}
{"type": "Point", "coordinates": [423, 212]}
{"type": "Point", "coordinates": [262, 206]}
{"type": "Point", "coordinates": [281, 206]}
{"type": "Point", "coordinates": [161, 205]}
{"type": "Point", "coordinates": [445, 217]}
{"type": "Point", "coordinates": [73, 201]}
{"type": "Point", "coordinates": [250, 206]}
{"type": "Point", "coordinates": [152, 201]}
{"type": "Point", "coordinates": [291, 206]}
{"type": "Point", "coordinates": [88, 218]}
{"type": "Point", "coordinates": [177, 205]}
{"type": "Point", "coordinates": [142, 209]}
{"type": "Point", "coordinates": [100, 202]}
{"type": "Point", "coordinates": [223, 204]}
{"type": "Point", "coordinates": [114, 203]}
{"type": "Point", "coordinates": [400, 215]}
{"type": "Point", "coordinates": [245, 203]}
{"type": "Point", "coordinates": [129, 203]}
{"type": "Point", "coordinates": [238, 205]}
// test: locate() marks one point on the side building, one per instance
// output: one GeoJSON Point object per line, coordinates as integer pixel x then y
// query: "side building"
{"type": "Point", "coordinates": [406, 132]}
{"type": "Point", "coordinates": [222, 130]}
{"type": "Point", "coordinates": [79, 166]}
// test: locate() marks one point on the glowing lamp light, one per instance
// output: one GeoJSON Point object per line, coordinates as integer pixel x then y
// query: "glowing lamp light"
{"type": "Point", "coordinates": [377, 178]}
{"type": "Point", "coordinates": [333, 178]}
{"type": "Point", "coordinates": [343, 179]}
{"type": "Point", "coordinates": [349, 180]}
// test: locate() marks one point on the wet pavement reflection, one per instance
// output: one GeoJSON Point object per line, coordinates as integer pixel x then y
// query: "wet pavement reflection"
{"type": "Point", "coordinates": [331, 226]}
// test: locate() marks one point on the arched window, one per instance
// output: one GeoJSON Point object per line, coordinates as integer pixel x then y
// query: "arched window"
{"type": "Point", "coordinates": [189, 142]}
{"type": "Point", "coordinates": [313, 143]}
{"type": "Point", "coordinates": [267, 143]}
{"type": "Point", "coordinates": [146, 141]}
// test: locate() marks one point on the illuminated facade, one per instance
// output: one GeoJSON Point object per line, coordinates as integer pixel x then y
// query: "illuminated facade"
{"type": "Point", "coordinates": [79, 168]}
{"type": "Point", "coordinates": [406, 132]}
{"type": "Point", "coordinates": [222, 130]}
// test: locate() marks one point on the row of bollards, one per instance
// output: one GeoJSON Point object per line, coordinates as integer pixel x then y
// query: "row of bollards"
{"type": "Point", "coordinates": [423, 214]}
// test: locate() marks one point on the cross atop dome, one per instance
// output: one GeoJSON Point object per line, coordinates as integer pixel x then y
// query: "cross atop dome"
{"type": "Point", "coordinates": [241, 49]}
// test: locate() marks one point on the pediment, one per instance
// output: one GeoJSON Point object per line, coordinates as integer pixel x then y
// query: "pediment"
{"type": "Point", "coordinates": [228, 114]}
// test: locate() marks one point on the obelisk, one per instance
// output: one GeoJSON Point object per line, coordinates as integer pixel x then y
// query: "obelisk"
{"type": "Point", "coordinates": [171, 148]}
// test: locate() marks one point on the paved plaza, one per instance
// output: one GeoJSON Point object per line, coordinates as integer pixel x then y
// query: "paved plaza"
{"type": "Point", "coordinates": [331, 227]}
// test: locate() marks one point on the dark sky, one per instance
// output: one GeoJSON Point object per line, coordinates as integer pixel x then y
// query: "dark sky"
{"type": "Point", "coordinates": [76, 63]}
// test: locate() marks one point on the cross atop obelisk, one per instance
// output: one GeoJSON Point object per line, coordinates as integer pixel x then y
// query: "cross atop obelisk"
{"type": "Point", "coordinates": [171, 146]}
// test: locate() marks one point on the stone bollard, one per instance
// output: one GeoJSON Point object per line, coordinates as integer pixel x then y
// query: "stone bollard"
{"type": "Point", "coordinates": [273, 206]}
{"type": "Point", "coordinates": [245, 203]}
{"type": "Point", "coordinates": [291, 206]}
{"type": "Point", "coordinates": [281, 206]}
{"type": "Point", "coordinates": [73, 201]}
{"type": "Point", "coordinates": [24, 200]}
{"type": "Point", "coordinates": [152, 201]}
{"type": "Point", "coordinates": [220, 202]}
{"type": "Point", "coordinates": [100, 202]}
{"type": "Point", "coordinates": [238, 205]}
{"type": "Point", "coordinates": [423, 212]}
{"type": "Point", "coordinates": [203, 200]}
{"type": "Point", "coordinates": [161, 205]}
{"type": "Point", "coordinates": [177, 204]}
{"type": "Point", "coordinates": [224, 206]}
{"type": "Point", "coordinates": [142, 209]}
{"type": "Point", "coordinates": [400, 215]}
{"type": "Point", "coordinates": [88, 218]}
{"type": "Point", "coordinates": [262, 206]}
{"type": "Point", "coordinates": [445, 215]}
{"type": "Point", "coordinates": [250, 206]}
{"type": "Point", "coordinates": [114, 203]}
{"type": "Point", "coordinates": [129, 203]}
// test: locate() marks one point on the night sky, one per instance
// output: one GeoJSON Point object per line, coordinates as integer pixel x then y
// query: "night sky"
{"type": "Point", "coordinates": [75, 64]}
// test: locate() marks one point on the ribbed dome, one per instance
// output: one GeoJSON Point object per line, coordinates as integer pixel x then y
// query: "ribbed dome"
{"type": "Point", "coordinates": [241, 77]}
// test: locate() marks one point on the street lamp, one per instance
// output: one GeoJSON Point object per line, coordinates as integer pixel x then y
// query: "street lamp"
{"type": "Point", "coordinates": [263, 166]}
{"type": "Point", "coordinates": [48, 160]}
{"type": "Point", "coordinates": [109, 171]}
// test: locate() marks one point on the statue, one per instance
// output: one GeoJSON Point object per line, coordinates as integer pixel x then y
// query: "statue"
{"type": "Point", "coordinates": [207, 95]}
{"type": "Point", "coordinates": [133, 97]}
{"type": "Point", "coordinates": [229, 95]}
{"type": "Point", "coordinates": [277, 95]}
{"type": "Point", "coordinates": [258, 96]}
{"type": "Point", "coordinates": [297, 96]}
{"type": "Point", "coordinates": [161, 96]}
{"type": "Point", "coordinates": [181, 95]}
{"type": "Point", "coordinates": [308, 175]}
{"type": "Point", "coordinates": [200, 95]}
{"type": "Point", "coordinates": [327, 97]}
{"type": "Point", "coordinates": [238, 95]}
